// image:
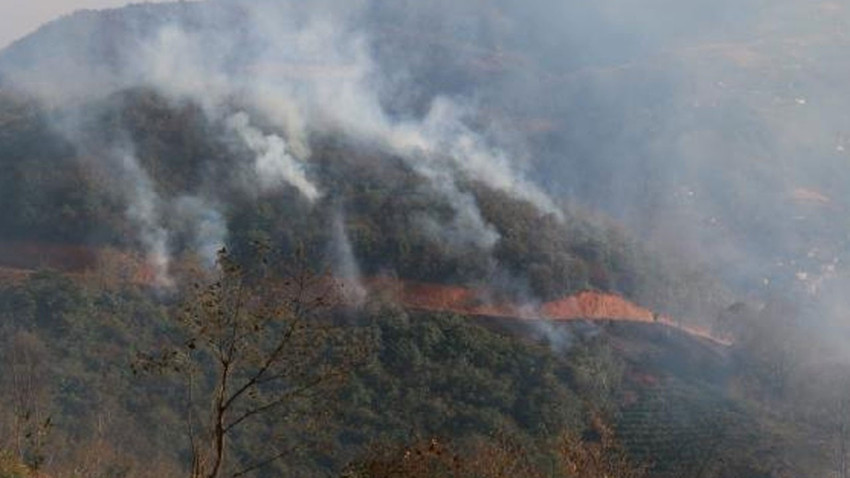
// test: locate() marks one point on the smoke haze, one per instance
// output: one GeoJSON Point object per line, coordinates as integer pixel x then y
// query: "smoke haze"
{"type": "Point", "coordinates": [715, 130]}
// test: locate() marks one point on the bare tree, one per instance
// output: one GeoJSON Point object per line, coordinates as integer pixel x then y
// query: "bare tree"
{"type": "Point", "coordinates": [260, 345]}
{"type": "Point", "coordinates": [25, 386]}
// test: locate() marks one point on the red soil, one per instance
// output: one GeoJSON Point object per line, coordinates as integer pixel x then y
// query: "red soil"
{"type": "Point", "coordinates": [462, 300]}
{"type": "Point", "coordinates": [586, 305]}
{"type": "Point", "coordinates": [13, 276]}
{"type": "Point", "coordinates": [438, 297]}
{"type": "Point", "coordinates": [19, 259]}
{"type": "Point", "coordinates": [114, 266]}
{"type": "Point", "coordinates": [595, 305]}
{"type": "Point", "coordinates": [30, 255]}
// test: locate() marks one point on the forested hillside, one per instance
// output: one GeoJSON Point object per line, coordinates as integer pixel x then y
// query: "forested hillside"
{"type": "Point", "coordinates": [389, 213]}
{"type": "Point", "coordinates": [450, 239]}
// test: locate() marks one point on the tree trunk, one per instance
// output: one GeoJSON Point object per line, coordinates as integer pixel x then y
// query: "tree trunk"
{"type": "Point", "coordinates": [219, 431]}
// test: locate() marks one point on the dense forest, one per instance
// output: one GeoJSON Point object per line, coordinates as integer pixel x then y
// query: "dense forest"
{"type": "Point", "coordinates": [85, 401]}
{"type": "Point", "coordinates": [380, 199]}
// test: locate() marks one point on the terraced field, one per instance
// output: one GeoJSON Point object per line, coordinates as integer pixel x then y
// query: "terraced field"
{"type": "Point", "coordinates": [680, 411]}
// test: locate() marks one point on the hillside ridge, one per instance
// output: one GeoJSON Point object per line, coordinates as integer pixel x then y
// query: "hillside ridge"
{"type": "Point", "coordinates": [19, 260]}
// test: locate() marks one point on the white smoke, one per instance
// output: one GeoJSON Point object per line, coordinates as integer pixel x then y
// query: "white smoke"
{"type": "Point", "coordinates": [144, 210]}
{"type": "Point", "coordinates": [273, 165]}
{"type": "Point", "coordinates": [467, 227]}
{"type": "Point", "coordinates": [443, 135]}
{"type": "Point", "coordinates": [305, 69]}
{"type": "Point", "coordinates": [347, 269]}
{"type": "Point", "coordinates": [209, 227]}
{"type": "Point", "coordinates": [314, 73]}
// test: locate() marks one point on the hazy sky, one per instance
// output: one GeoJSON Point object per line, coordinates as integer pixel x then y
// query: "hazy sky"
{"type": "Point", "coordinates": [20, 17]}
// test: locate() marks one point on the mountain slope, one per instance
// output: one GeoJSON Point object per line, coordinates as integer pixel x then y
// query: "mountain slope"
{"type": "Point", "coordinates": [545, 215]}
